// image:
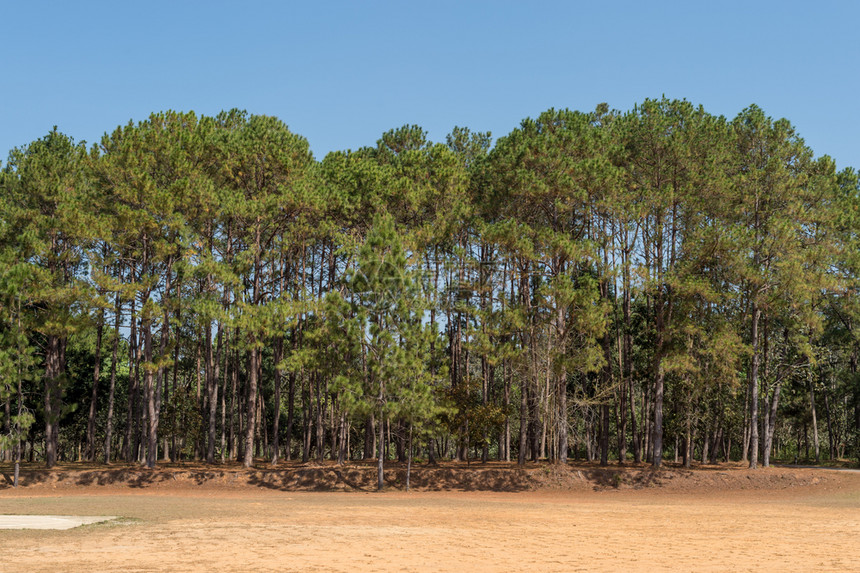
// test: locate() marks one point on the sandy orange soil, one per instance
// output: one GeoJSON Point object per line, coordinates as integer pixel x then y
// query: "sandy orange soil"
{"type": "Point", "coordinates": [573, 519]}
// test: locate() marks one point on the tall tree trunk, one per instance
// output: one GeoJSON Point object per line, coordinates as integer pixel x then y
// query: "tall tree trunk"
{"type": "Point", "coordinates": [276, 423]}
{"type": "Point", "coordinates": [226, 356]}
{"type": "Point", "coordinates": [409, 458]}
{"type": "Point", "coordinates": [606, 378]}
{"type": "Point", "coordinates": [369, 437]}
{"type": "Point", "coordinates": [659, 373]}
{"type": "Point", "coordinates": [381, 439]}
{"type": "Point", "coordinates": [20, 404]}
{"type": "Point", "coordinates": [524, 393]}
{"type": "Point", "coordinates": [213, 375]}
{"type": "Point", "coordinates": [657, 442]}
{"type": "Point", "coordinates": [506, 374]}
{"type": "Point", "coordinates": [628, 352]}
{"type": "Point", "coordinates": [162, 352]}
{"type": "Point", "coordinates": [771, 426]}
{"type": "Point", "coordinates": [852, 368]}
{"type": "Point", "coordinates": [7, 426]}
{"type": "Point", "coordinates": [253, 357]}
{"type": "Point", "coordinates": [90, 452]}
{"type": "Point", "coordinates": [831, 439]}
{"type": "Point", "coordinates": [524, 423]}
{"type": "Point", "coordinates": [128, 451]}
{"type": "Point", "coordinates": [342, 437]}
{"type": "Point", "coordinates": [54, 366]}
{"type": "Point", "coordinates": [251, 404]}
{"type": "Point", "coordinates": [150, 391]}
{"type": "Point", "coordinates": [306, 418]}
{"type": "Point", "coordinates": [112, 390]}
{"type": "Point", "coordinates": [20, 412]}
{"type": "Point", "coordinates": [815, 440]}
{"type": "Point", "coordinates": [753, 389]}
{"type": "Point", "coordinates": [234, 396]}
{"type": "Point", "coordinates": [745, 446]}
{"type": "Point", "coordinates": [291, 399]}
{"type": "Point", "coordinates": [320, 416]}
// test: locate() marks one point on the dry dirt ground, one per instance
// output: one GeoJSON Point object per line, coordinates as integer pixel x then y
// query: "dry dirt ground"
{"type": "Point", "coordinates": [487, 517]}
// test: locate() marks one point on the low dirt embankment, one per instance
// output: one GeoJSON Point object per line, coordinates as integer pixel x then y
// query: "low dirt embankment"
{"type": "Point", "coordinates": [446, 476]}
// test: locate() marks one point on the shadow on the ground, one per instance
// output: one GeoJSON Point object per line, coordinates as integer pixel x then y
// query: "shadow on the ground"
{"type": "Point", "coordinates": [364, 478]}
{"type": "Point", "coordinates": [361, 476]}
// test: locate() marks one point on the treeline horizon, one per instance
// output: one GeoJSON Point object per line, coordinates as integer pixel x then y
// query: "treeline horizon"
{"type": "Point", "coordinates": [637, 286]}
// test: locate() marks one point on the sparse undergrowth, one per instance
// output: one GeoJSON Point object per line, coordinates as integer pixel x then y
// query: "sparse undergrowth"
{"type": "Point", "coordinates": [447, 476]}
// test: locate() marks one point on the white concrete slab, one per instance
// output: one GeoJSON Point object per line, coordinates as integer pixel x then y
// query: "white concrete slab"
{"type": "Point", "coordinates": [49, 521]}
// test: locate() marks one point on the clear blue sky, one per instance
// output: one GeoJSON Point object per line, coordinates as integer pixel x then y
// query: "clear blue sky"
{"type": "Point", "coordinates": [341, 73]}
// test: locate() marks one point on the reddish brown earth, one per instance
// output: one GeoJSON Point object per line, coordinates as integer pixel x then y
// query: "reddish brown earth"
{"type": "Point", "coordinates": [486, 517]}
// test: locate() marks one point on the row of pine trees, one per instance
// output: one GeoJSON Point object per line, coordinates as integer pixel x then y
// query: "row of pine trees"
{"type": "Point", "coordinates": [650, 285]}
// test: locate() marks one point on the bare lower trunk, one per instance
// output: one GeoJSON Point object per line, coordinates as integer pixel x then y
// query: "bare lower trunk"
{"type": "Point", "coordinates": [7, 427]}
{"type": "Point", "coordinates": [224, 401]}
{"type": "Point", "coordinates": [276, 423]}
{"type": "Point", "coordinates": [814, 423]}
{"type": "Point", "coordinates": [90, 452]}
{"type": "Point", "coordinates": [251, 405]}
{"type": "Point", "coordinates": [636, 434]}
{"type": "Point", "coordinates": [253, 357]}
{"type": "Point", "coordinates": [562, 419]}
{"type": "Point", "coordinates": [306, 418]}
{"type": "Point", "coordinates": [753, 391]}
{"type": "Point", "coordinates": [212, 376]}
{"type": "Point", "coordinates": [657, 451]}
{"type": "Point", "coordinates": [150, 390]}
{"type": "Point", "coordinates": [409, 457]}
{"type": "Point", "coordinates": [342, 442]}
{"type": "Point", "coordinates": [524, 421]}
{"type": "Point", "coordinates": [831, 440]}
{"type": "Point", "coordinates": [131, 404]}
{"type": "Point", "coordinates": [20, 409]}
{"type": "Point", "coordinates": [771, 425]}
{"type": "Point", "coordinates": [234, 383]}
{"type": "Point", "coordinates": [604, 434]}
{"type": "Point", "coordinates": [524, 390]}
{"type": "Point", "coordinates": [320, 416]}
{"type": "Point", "coordinates": [291, 398]}
{"type": "Point", "coordinates": [745, 445]}
{"type": "Point", "coordinates": [506, 439]}
{"type": "Point", "coordinates": [111, 392]}
{"type": "Point", "coordinates": [369, 438]}
{"type": "Point", "coordinates": [628, 358]}
{"type": "Point", "coordinates": [381, 450]}
{"type": "Point", "coordinates": [606, 378]}
{"type": "Point", "coordinates": [54, 366]}
{"type": "Point", "coordinates": [18, 438]}
{"type": "Point", "coordinates": [659, 373]}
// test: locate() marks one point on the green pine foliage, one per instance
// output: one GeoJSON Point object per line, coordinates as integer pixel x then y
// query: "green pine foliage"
{"type": "Point", "coordinates": [654, 285]}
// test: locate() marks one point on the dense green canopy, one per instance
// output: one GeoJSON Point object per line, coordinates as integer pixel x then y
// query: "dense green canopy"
{"type": "Point", "coordinates": [607, 285]}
